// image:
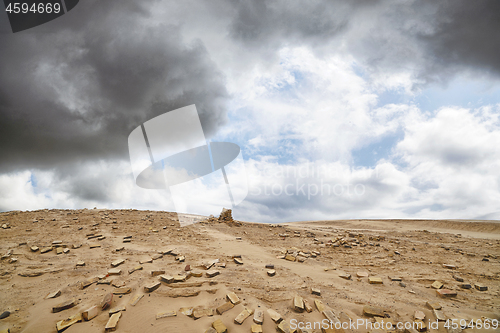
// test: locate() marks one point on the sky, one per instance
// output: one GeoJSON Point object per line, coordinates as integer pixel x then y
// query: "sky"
{"type": "Point", "coordinates": [342, 109]}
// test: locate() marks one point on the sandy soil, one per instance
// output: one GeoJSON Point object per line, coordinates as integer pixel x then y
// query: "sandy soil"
{"type": "Point", "coordinates": [415, 251]}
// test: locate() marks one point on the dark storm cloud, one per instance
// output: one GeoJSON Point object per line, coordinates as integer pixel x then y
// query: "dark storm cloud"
{"type": "Point", "coordinates": [74, 88]}
{"type": "Point", "coordinates": [434, 40]}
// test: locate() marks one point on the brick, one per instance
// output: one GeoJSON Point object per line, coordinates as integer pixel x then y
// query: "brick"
{"type": "Point", "coordinates": [166, 314]}
{"type": "Point", "coordinates": [155, 273]}
{"type": "Point", "coordinates": [434, 305]}
{"type": "Point", "coordinates": [152, 287]}
{"type": "Point", "coordinates": [179, 278]}
{"type": "Point", "coordinates": [480, 287]}
{"type": "Point", "coordinates": [136, 299]}
{"type": "Point", "coordinates": [242, 316]}
{"type": "Point", "coordinates": [307, 306]}
{"type": "Point", "coordinates": [46, 249]}
{"type": "Point", "coordinates": [371, 311]}
{"type": "Point", "coordinates": [289, 257]}
{"type": "Point", "coordinates": [275, 316]}
{"type": "Point", "coordinates": [90, 313]}
{"type": "Point", "coordinates": [117, 262]}
{"type": "Point", "coordinates": [233, 298]}
{"type": "Point", "coordinates": [437, 285]}
{"type": "Point", "coordinates": [345, 276]}
{"type": "Point", "coordinates": [146, 261]}
{"type": "Point", "coordinates": [375, 280]}
{"type": "Point", "coordinates": [446, 293]}
{"type": "Point", "coordinates": [258, 316]}
{"type": "Point", "coordinates": [113, 322]}
{"type": "Point", "coordinates": [298, 304]}
{"type": "Point", "coordinates": [212, 273]}
{"type": "Point", "coordinates": [362, 274]}
{"type": "Point", "coordinates": [210, 330]}
{"type": "Point", "coordinates": [224, 307]}
{"type": "Point", "coordinates": [284, 327]}
{"type": "Point", "coordinates": [271, 272]}
{"type": "Point", "coordinates": [166, 278]}
{"type": "Point", "coordinates": [94, 245]}
{"type": "Point", "coordinates": [395, 278]}
{"type": "Point", "coordinates": [122, 291]}
{"type": "Point", "coordinates": [34, 248]}
{"type": "Point", "coordinates": [114, 271]}
{"type": "Point", "coordinates": [64, 305]}
{"type": "Point", "coordinates": [319, 305]}
{"type": "Point", "coordinates": [186, 311]}
{"type": "Point", "coordinates": [65, 323]}
{"type": "Point", "coordinates": [270, 266]}
{"type": "Point", "coordinates": [316, 291]}
{"type": "Point", "coordinates": [196, 273]}
{"type": "Point", "coordinates": [54, 294]}
{"type": "Point", "coordinates": [136, 268]}
{"type": "Point", "coordinates": [256, 328]}
{"type": "Point", "coordinates": [219, 326]}
{"type": "Point", "coordinates": [465, 286]}
{"type": "Point", "coordinates": [199, 312]}
{"type": "Point", "coordinates": [458, 278]}
{"type": "Point", "coordinates": [157, 256]}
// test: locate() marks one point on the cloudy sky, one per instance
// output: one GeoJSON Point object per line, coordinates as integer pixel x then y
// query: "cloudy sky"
{"type": "Point", "coordinates": [342, 109]}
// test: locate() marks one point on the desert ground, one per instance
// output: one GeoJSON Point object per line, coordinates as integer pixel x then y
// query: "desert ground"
{"type": "Point", "coordinates": [361, 271]}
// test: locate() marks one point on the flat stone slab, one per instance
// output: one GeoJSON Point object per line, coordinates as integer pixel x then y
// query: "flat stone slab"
{"type": "Point", "coordinates": [106, 301]}
{"type": "Point", "coordinates": [362, 274]}
{"type": "Point", "coordinates": [65, 323]}
{"type": "Point", "coordinates": [122, 291]}
{"type": "Point", "coordinates": [395, 278]}
{"type": "Point", "coordinates": [419, 315]}
{"type": "Point", "coordinates": [370, 310]}
{"type": "Point", "coordinates": [316, 291]}
{"type": "Point", "coordinates": [199, 312]}
{"type": "Point", "coordinates": [94, 246]}
{"type": "Point", "coordinates": [480, 287]}
{"type": "Point", "coordinates": [298, 304]}
{"type": "Point", "coordinates": [307, 306]}
{"type": "Point", "coordinates": [118, 262]}
{"type": "Point", "coordinates": [284, 327]}
{"type": "Point", "coordinates": [375, 280]}
{"type": "Point", "coordinates": [233, 298]}
{"type": "Point", "coordinates": [439, 315]}
{"type": "Point", "coordinates": [166, 314]}
{"type": "Point", "coordinates": [275, 316]}
{"type": "Point", "coordinates": [212, 273]}
{"type": "Point", "coordinates": [152, 287]}
{"type": "Point", "coordinates": [345, 276]}
{"type": "Point", "coordinates": [446, 293]}
{"type": "Point", "coordinates": [117, 309]}
{"type": "Point", "coordinates": [166, 278]}
{"type": "Point", "coordinates": [242, 316]}
{"type": "Point", "coordinates": [319, 305]}
{"type": "Point", "coordinates": [258, 316]}
{"type": "Point", "coordinates": [54, 294]}
{"type": "Point", "coordinates": [90, 313]}
{"type": "Point", "coordinates": [64, 305]}
{"type": "Point", "coordinates": [46, 249]}
{"type": "Point", "coordinates": [159, 272]}
{"type": "Point", "coordinates": [136, 268]}
{"type": "Point", "coordinates": [113, 322]}
{"type": "Point", "coordinates": [328, 314]}
{"type": "Point", "coordinates": [437, 285]}
{"type": "Point", "coordinates": [136, 299]}
{"type": "Point", "coordinates": [224, 307]}
{"type": "Point", "coordinates": [238, 261]}
{"type": "Point", "coordinates": [219, 326]}
{"type": "Point", "coordinates": [434, 305]}
{"type": "Point", "coordinates": [114, 271]}
{"type": "Point", "coordinates": [256, 328]}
